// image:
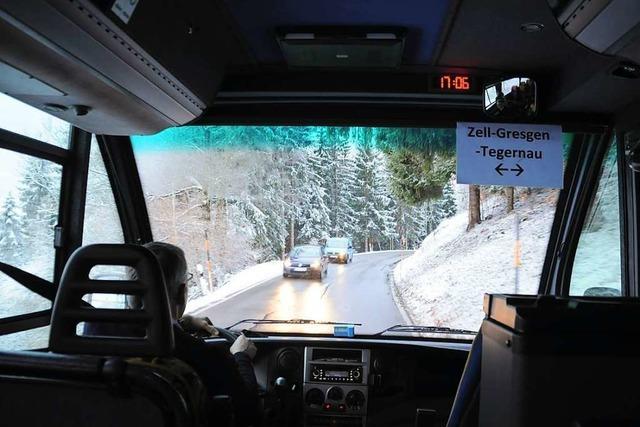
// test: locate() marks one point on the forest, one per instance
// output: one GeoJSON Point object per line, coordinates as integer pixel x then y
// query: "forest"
{"type": "Point", "coordinates": [250, 193]}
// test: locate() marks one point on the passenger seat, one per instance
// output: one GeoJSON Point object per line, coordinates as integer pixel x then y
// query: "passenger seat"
{"type": "Point", "coordinates": [104, 381]}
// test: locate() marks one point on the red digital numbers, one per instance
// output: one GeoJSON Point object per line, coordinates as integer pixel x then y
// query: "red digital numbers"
{"type": "Point", "coordinates": [454, 82]}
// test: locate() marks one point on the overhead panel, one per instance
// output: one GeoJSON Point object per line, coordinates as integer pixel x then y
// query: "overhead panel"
{"type": "Point", "coordinates": [259, 22]}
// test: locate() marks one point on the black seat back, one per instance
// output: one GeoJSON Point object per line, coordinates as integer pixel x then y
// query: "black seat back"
{"type": "Point", "coordinates": [104, 381]}
{"type": "Point", "coordinates": [70, 311]}
{"type": "Point", "coordinates": [54, 390]}
{"type": "Point", "coordinates": [560, 361]}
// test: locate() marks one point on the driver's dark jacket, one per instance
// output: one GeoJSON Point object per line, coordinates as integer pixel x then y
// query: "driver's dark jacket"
{"type": "Point", "coordinates": [221, 372]}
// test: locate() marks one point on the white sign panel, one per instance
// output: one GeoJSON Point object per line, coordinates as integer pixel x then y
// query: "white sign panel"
{"type": "Point", "coordinates": [519, 155]}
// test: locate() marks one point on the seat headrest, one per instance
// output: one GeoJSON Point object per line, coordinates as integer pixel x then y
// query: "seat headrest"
{"type": "Point", "coordinates": [69, 309]}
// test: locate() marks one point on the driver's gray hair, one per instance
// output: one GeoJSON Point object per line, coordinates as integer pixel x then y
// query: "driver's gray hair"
{"type": "Point", "coordinates": [173, 264]}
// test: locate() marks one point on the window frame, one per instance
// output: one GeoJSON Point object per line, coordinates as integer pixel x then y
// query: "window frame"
{"type": "Point", "coordinates": [630, 207]}
{"type": "Point", "coordinates": [612, 143]}
{"type": "Point", "coordinates": [122, 169]}
{"type": "Point", "coordinates": [67, 235]}
{"type": "Point", "coordinates": [585, 162]}
{"type": "Point", "coordinates": [581, 176]}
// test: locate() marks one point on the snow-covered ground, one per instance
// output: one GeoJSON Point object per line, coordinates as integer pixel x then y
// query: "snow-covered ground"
{"type": "Point", "coordinates": [237, 283]}
{"type": "Point", "coordinates": [444, 281]}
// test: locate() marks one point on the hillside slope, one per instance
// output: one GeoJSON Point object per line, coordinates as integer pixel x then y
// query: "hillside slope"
{"type": "Point", "coordinates": [444, 281]}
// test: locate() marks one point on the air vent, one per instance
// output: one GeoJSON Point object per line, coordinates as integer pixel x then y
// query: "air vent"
{"type": "Point", "coordinates": [367, 47]}
{"type": "Point", "coordinates": [288, 360]}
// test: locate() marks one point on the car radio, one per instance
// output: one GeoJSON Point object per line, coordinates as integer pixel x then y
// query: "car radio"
{"type": "Point", "coordinates": [335, 386]}
{"type": "Point", "coordinates": [336, 373]}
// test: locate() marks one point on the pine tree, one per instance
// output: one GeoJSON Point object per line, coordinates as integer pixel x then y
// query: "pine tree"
{"type": "Point", "coordinates": [384, 203]}
{"type": "Point", "coordinates": [39, 196]}
{"type": "Point", "coordinates": [314, 213]}
{"type": "Point", "coordinates": [339, 179]}
{"type": "Point", "coordinates": [265, 210]}
{"type": "Point", "coordinates": [448, 201]}
{"type": "Point", "coordinates": [371, 201]}
{"type": "Point", "coordinates": [11, 230]}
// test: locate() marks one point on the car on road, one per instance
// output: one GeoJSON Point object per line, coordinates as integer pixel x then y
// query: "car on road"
{"type": "Point", "coordinates": [306, 261]}
{"type": "Point", "coordinates": [339, 249]}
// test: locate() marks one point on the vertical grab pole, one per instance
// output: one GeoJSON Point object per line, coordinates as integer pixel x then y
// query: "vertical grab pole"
{"type": "Point", "coordinates": [517, 252]}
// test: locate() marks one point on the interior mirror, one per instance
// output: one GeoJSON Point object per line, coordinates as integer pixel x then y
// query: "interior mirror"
{"type": "Point", "coordinates": [511, 98]}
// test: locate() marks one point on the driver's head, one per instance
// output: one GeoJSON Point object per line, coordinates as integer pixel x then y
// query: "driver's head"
{"type": "Point", "coordinates": [174, 269]}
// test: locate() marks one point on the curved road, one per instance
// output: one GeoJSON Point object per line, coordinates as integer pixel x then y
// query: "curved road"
{"type": "Point", "coordinates": [353, 293]}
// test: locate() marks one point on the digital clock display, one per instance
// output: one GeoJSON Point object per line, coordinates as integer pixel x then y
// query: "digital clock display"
{"type": "Point", "coordinates": [456, 83]}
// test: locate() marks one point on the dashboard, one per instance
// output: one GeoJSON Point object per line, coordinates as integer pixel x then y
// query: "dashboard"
{"type": "Point", "coordinates": [346, 382]}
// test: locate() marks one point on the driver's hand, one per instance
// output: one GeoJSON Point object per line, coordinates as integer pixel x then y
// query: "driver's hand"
{"type": "Point", "coordinates": [198, 325]}
{"type": "Point", "coordinates": [243, 343]}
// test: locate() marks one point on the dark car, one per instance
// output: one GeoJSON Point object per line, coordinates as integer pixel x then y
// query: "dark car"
{"type": "Point", "coordinates": [306, 261]}
{"type": "Point", "coordinates": [339, 249]}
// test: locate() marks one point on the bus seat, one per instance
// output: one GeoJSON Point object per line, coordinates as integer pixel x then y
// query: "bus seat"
{"type": "Point", "coordinates": [99, 380]}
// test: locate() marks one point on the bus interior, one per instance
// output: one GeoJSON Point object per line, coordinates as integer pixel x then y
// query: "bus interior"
{"type": "Point", "coordinates": [419, 212]}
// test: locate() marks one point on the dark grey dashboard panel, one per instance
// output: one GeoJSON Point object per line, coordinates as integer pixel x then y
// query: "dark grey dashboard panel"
{"type": "Point", "coordinates": [402, 376]}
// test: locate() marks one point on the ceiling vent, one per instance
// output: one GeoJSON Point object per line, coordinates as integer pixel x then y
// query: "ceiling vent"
{"type": "Point", "coordinates": [342, 47]}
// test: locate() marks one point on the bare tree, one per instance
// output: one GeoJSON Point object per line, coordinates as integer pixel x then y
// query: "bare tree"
{"type": "Point", "coordinates": [509, 193]}
{"type": "Point", "coordinates": [474, 206]}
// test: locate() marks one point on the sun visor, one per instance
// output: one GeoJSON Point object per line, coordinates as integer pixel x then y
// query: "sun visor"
{"type": "Point", "coordinates": [75, 56]}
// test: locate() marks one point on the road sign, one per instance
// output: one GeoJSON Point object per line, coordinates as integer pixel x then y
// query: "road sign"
{"type": "Point", "coordinates": [519, 155]}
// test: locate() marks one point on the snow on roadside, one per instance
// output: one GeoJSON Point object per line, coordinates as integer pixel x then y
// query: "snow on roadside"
{"type": "Point", "coordinates": [444, 281]}
{"type": "Point", "coordinates": [238, 282]}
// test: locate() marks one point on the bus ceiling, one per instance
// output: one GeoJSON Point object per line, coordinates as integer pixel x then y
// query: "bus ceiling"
{"type": "Point", "coordinates": [125, 68]}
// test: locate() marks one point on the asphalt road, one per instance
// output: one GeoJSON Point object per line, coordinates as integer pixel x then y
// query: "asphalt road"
{"type": "Point", "coordinates": [353, 293]}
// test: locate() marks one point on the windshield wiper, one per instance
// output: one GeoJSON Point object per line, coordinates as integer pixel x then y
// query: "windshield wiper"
{"type": "Point", "coordinates": [290, 322]}
{"type": "Point", "coordinates": [426, 329]}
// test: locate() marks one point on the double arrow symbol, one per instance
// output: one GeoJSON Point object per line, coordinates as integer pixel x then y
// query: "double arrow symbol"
{"type": "Point", "coordinates": [518, 169]}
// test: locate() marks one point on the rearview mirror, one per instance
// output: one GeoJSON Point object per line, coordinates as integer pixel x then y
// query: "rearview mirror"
{"type": "Point", "coordinates": [512, 98]}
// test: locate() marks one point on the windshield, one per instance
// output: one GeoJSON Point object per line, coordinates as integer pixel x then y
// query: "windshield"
{"type": "Point", "coordinates": [306, 251]}
{"type": "Point", "coordinates": [337, 243]}
{"type": "Point", "coordinates": [239, 199]}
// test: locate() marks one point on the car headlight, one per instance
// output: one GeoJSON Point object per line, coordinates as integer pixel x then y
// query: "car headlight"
{"type": "Point", "coordinates": [287, 262]}
{"type": "Point", "coordinates": [315, 264]}
{"type": "Point", "coordinates": [343, 252]}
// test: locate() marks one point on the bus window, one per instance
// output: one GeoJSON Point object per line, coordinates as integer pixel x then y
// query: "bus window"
{"type": "Point", "coordinates": [597, 268]}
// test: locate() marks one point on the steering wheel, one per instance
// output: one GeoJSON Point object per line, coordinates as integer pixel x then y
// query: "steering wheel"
{"type": "Point", "coordinates": [228, 335]}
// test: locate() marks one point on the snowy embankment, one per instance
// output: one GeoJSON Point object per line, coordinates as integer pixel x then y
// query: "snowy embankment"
{"type": "Point", "coordinates": [237, 283]}
{"type": "Point", "coordinates": [444, 281]}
